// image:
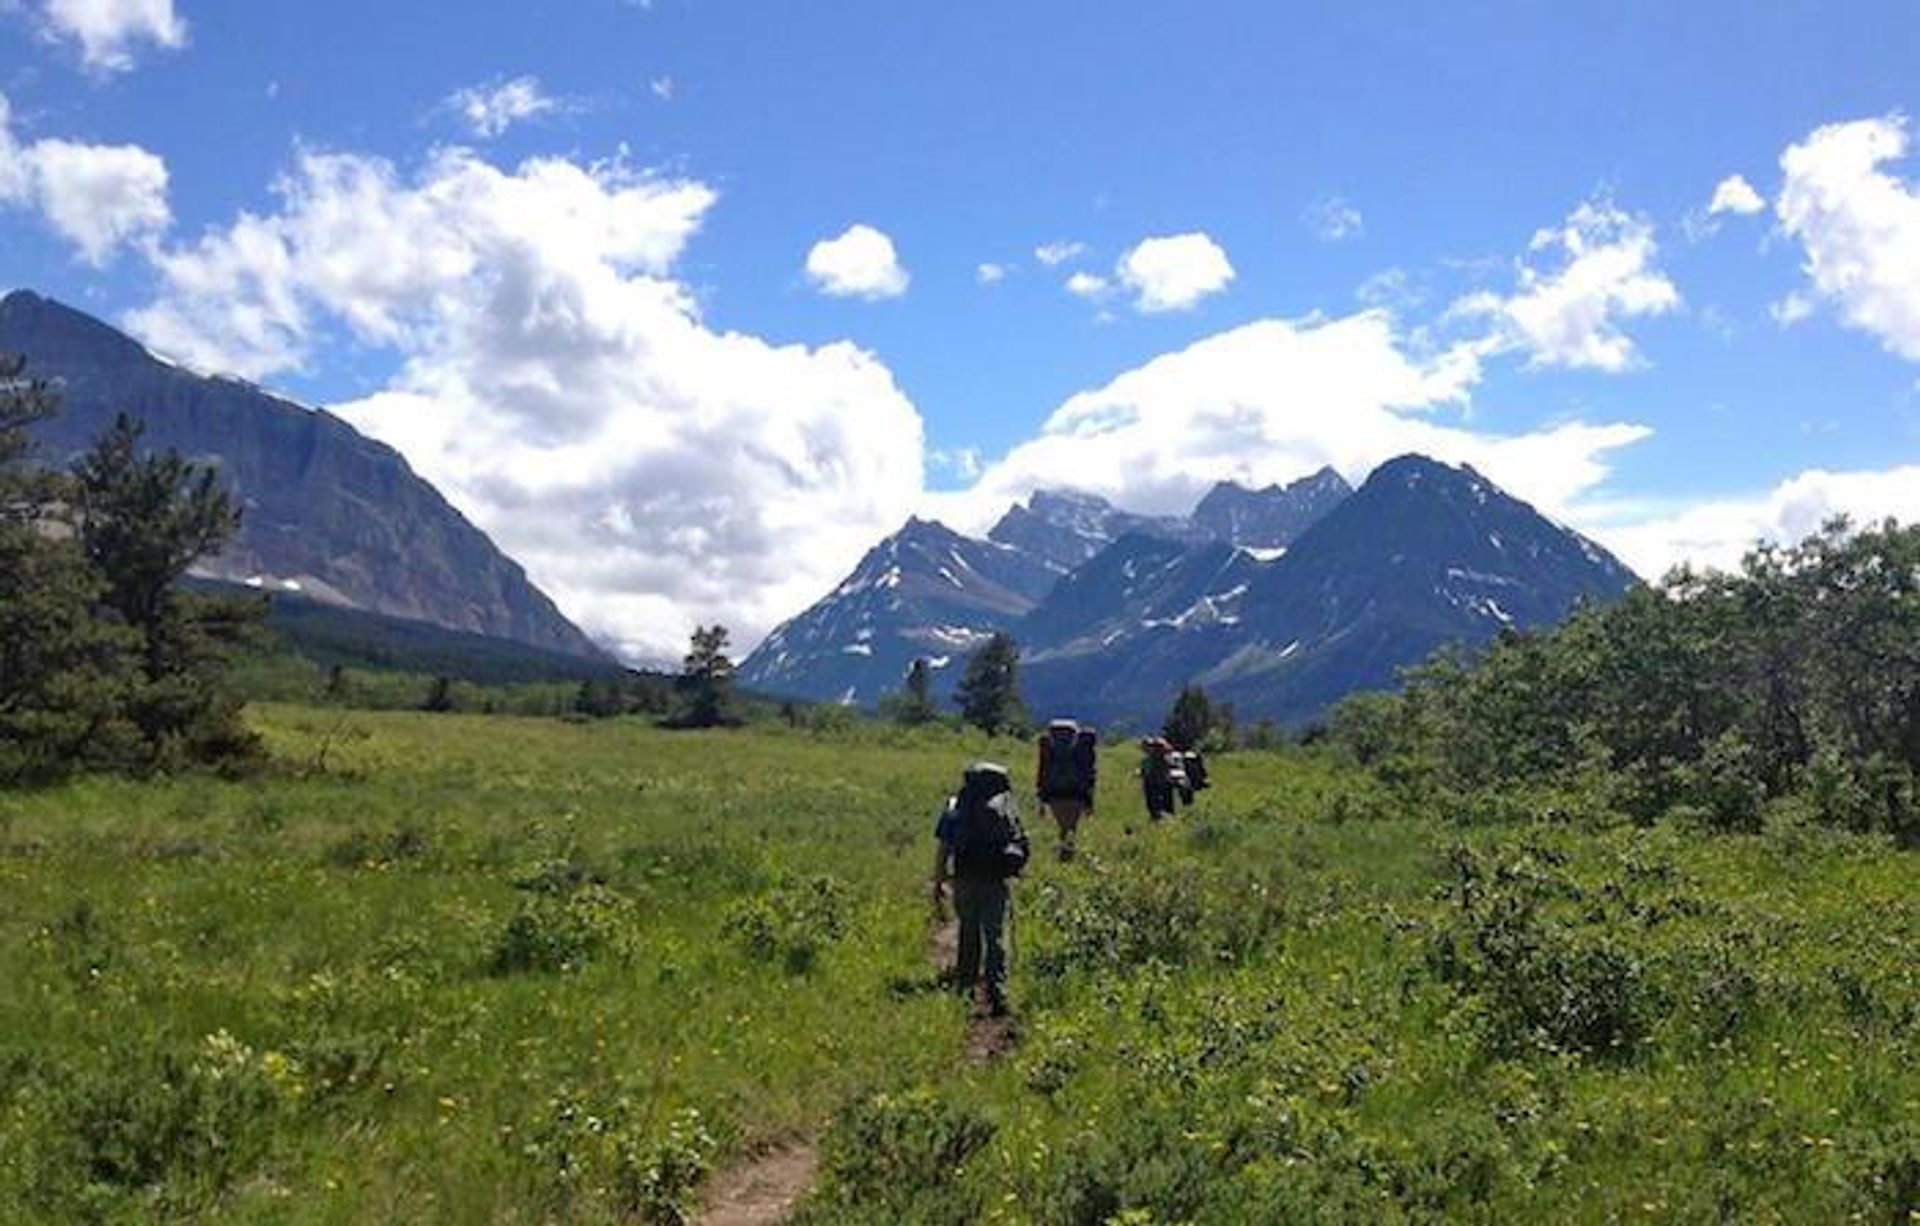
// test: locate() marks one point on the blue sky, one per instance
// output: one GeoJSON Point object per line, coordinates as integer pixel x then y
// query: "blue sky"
{"type": "Point", "coordinates": [559, 255]}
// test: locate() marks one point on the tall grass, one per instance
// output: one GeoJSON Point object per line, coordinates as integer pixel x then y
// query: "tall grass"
{"type": "Point", "coordinates": [466, 968]}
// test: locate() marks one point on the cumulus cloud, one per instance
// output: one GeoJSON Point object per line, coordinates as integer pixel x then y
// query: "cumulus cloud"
{"type": "Point", "coordinates": [991, 274]}
{"type": "Point", "coordinates": [1791, 309]}
{"type": "Point", "coordinates": [1735, 195]}
{"type": "Point", "coordinates": [1600, 270]}
{"type": "Point", "coordinates": [1273, 400]}
{"type": "Point", "coordinates": [1059, 252]}
{"type": "Point", "coordinates": [1088, 285]}
{"type": "Point", "coordinates": [860, 263]}
{"type": "Point", "coordinates": [489, 110]}
{"type": "Point", "coordinates": [108, 31]}
{"type": "Point", "coordinates": [557, 382]}
{"type": "Point", "coordinates": [1858, 226]}
{"type": "Point", "coordinates": [1335, 220]}
{"type": "Point", "coordinates": [1173, 272]}
{"type": "Point", "coordinates": [95, 196]}
{"type": "Point", "coordinates": [1718, 532]}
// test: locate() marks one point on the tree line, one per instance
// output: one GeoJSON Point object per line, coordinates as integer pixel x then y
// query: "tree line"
{"type": "Point", "coordinates": [1792, 681]}
{"type": "Point", "coordinates": [105, 661]}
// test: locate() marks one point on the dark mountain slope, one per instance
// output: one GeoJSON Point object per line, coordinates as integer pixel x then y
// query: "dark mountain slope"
{"type": "Point", "coordinates": [924, 591]}
{"type": "Point", "coordinates": [327, 509]}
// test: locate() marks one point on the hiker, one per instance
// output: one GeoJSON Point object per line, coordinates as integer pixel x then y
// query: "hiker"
{"type": "Point", "coordinates": [1065, 776]}
{"type": "Point", "coordinates": [980, 848]}
{"type": "Point", "coordinates": [1162, 776]}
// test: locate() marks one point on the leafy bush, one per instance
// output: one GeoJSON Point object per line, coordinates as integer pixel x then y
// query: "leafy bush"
{"type": "Point", "coordinates": [605, 1150]}
{"type": "Point", "coordinates": [899, 1157]}
{"type": "Point", "coordinates": [551, 933]}
{"type": "Point", "coordinates": [159, 1126]}
{"type": "Point", "coordinates": [792, 924]}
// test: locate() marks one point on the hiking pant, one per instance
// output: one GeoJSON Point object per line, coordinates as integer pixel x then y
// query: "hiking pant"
{"type": "Point", "coordinates": [982, 908]}
{"type": "Point", "coordinates": [1159, 798]}
{"type": "Point", "coordinates": [1067, 812]}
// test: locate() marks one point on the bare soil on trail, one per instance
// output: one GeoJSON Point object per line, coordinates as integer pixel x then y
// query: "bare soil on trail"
{"type": "Point", "coordinates": [988, 1038]}
{"type": "Point", "coordinates": [762, 1191]}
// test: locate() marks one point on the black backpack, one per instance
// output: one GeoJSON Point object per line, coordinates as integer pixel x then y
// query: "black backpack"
{"type": "Point", "coordinates": [988, 843]}
{"type": "Point", "coordinates": [1063, 769]}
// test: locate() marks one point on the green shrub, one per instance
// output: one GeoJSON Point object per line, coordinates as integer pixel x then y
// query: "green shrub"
{"type": "Point", "coordinates": [159, 1126]}
{"type": "Point", "coordinates": [792, 924]}
{"type": "Point", "coordinates": [900, 1157]}
{"type": "Point", "coordinates": [604, 1150]}
{"type": "Point", "coordinates": [560, 933]}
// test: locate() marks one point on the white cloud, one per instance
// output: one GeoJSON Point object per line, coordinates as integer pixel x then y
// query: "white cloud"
{"type": "Point", "coordinates": [1859, 227]}
{"type": "Point", "coordinates": [1570, 315]}
{"type": "Point", "coordinates": [95, 196]}
{"type": "Point", "coordinates": [1391, 288]}
{"type": "Point", "coordinates": [1272, 400]}
{"type": "Point", "coordinates": [1059, 252]}
{"type": "Point", "coordinates": [1794, 308]}
{"type": "Point", "coordinates": [107, 31]}
{"type": "Point", "coordinates": [1088, 285]}
{"type": "Point", "coordinates": [1735, 195]}
{"type": "Point", "coordinates": [861, 263]}
{"type": "Point", "coordinates": [489, 110]}
{"type": "Point", "coordinates": [1718, 532]}
{"type": "Point", "coordinates": [1335, 219]}
{"type": "Point", "coordinates": [963, 462]}
{"type": "Point", "coordinates": [1174, 272]}
{"type": "Point", "coordinates": [662, 88]}
{"type": "Point", "coordinates": [557, 382]}
{"type": "Point", "coordinates": [991, 274]}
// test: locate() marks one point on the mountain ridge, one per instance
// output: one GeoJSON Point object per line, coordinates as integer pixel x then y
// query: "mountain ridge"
{"type": "Point", "coordinates": [1367, 581]}
{"type": "Point", "coordinates": [326, 510]}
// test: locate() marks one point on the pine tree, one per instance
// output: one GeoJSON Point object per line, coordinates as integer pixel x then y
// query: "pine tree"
{"type": "Point", "coordinates": [989, 690]}
{"type": "Point", "coordinates": [63, 672]}
{"type": "Point", "coordinates": [1191, 720]}
{"type": "Point", "coordinates": [914, 704]}
{"type": "Point", "coordinates": [706, 680]}
{"type": "Point", "coordinates": [439, 697]}
{"type": "Point", "coordinates": [143, 521]}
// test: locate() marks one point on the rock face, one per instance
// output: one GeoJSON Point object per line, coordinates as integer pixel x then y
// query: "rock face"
{"type": "Point", "coordinates": [327, 511]}
{"type": "Point", "coordinates": [1281, 601]}
{"type": "Point", "coordinates": [1063, 528]}
{"type": "Point", "coordinates": [1272, 518]}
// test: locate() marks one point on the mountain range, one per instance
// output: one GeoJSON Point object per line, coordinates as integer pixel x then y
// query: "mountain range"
{"type": "Point", "coordinates": [1280, 600]}
{"type": "Point", "coordinates": [327, 512]}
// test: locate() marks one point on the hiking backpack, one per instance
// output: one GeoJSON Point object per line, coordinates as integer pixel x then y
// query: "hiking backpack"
{"type": "Point", "coordinates": [1196, 770]}
{"type": "Point", "coordinates": [988, 841]}
{"type": "Point", "coordinates": [1062, 771]}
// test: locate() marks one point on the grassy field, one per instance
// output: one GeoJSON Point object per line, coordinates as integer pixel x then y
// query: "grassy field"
{"type": "Point", "coordinates": [466, 968]}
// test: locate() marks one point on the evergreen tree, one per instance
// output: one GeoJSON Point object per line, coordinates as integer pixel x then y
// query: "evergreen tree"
{"type": "Point", "coordinates": [914, 704]}
{"type": "Point", "coordinates": [63, 672]}
{"type": "Point", "coordinates": [439, 697]}
{"type": "Point", "coordinates": [989, 690]}
{"type": "Point", "coordinates": [1191, 721]}
{"type": "Point", "coordinates": [706, 680]}
{"type": "Point", "coordinates": [143, 521]}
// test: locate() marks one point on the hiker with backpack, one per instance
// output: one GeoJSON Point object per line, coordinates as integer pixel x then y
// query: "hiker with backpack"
{"type": "Point", "coordinates": [1163, 776]}
{"type": "Point", "coordinates": [1066, 776]}
{"type": "Point", "coordinates": [980, 849]}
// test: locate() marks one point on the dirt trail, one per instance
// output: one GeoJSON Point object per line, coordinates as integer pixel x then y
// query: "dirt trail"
{"type": "Point", "coordinates": [988, 1038]}
{"type": "Point", "coordinates": [763, 1191]}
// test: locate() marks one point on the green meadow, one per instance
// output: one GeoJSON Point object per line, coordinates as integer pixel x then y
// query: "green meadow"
{"type": "Point", "coordinates": [475, 968]}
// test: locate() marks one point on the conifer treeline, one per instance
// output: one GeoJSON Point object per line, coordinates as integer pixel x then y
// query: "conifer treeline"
{"type": "Point", "coordinates": [105, 661]}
